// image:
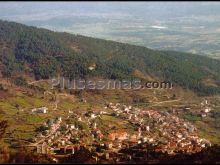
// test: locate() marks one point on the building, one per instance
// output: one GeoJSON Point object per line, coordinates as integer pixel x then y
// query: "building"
{"type": "Point", "coordinates": [108, 145]}
{"type": "Point", "coordinates": [40, 110]}
{"type": "Point", "coordinates": [119, 135]}
{"type": "Point", "coordinates": [92, 67]}
{"type": "Point", "coordinates": [207, 110]}
{"type": "Point", "coordinates": [203, 115]}
{"type": "Point", "coordinates": [42, 148]}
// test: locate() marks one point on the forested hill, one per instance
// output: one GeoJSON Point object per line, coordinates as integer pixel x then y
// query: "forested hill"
{"type": "Point", "coordinates": [43, 54]}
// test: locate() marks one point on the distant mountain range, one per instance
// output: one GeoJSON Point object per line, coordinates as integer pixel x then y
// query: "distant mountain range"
{"type": "Point", "coordinates": [43, 53]}
{"type": "Point", "coordinates": [189, 26]}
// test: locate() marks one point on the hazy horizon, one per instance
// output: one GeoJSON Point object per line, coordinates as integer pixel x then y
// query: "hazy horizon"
{"type": "Point", "coordinates": [183, 26]}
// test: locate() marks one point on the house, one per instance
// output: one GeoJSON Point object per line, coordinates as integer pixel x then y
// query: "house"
{"type": "Point", "coordinates": [108, 145]}
{"type": "Point", "coordinates": [83, 100]}
{"type": "Point", "coordinates": [144, 139]}
{"type": "Point", "coordinates": [94, 126]}
{"type": "Point", "coordinates": [117, 104]}
{"type": "Point", "coordinates": [72, 126]}
{"type": "Point", "coordinates": [119, 135]}
{"type": "Point", "coordinates": [110, 104]}
{"type": "Point", "coordinates": [54, 127]}
{"type": "Point", "coordinates": [49, 141]}
{"type": "Point", "coordinates": [205, 102]}
{"type": "Point", "coordinates": [139, 132]}
{"type": "Point", "coordinates": [148, 128]}
{"type": "Point", "coordinates": [103, 112]}
{"type": "Point", "coordinates": [97, 133]}
{"type": "Point", "coordinates": [203, 115]}
{"type": "Point", "coordinates": [187, 108]}
{"type": "Point", "coordinates": [133, 137]}
{"type": "Point", "coordinates": [93, 116]}
{"type": "Point", "coordinates": [179, 135]}
{"type": "Point", "coordinates": [42, 148]}
{"type": "Point", "coordinates": [207, 110]}
{"type": "Point", "coordinates": [117, 144]}
{"type": "Point", "coordinates": [126, 109]}
{"type": "Point", "coordinates": [59, 119]}
{"type": "Point", "coordinates": [151, 140]}
{"type": "Point", "coordinates": [40, 110]}
{"type": "Point", "coordinates": [139, 141]}
{"type": "Point", "coordinates": [69, 150]}
{"type": "Point", "coordinates": [92, 67]}
{"type": "Point", "coordinates": [79, 119]}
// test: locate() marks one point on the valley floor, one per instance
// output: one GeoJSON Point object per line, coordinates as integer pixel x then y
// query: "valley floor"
{"type": "Point", "coordinates": [108, 124]}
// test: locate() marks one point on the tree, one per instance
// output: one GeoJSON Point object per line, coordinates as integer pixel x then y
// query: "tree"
{"type": "Point", "coordinates": [17, 106]}
{"type": "Point", "coordinates": [3, 126]}
{"type": "Point", "coordinates": [20, 81]}
{"type": "Point", "coordinates": [1, 87]}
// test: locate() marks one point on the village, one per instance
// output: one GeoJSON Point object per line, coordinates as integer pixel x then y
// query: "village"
{"type": "Point", "coordinates": [162, 130]}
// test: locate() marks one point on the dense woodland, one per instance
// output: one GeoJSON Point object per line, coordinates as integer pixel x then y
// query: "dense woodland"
{"type": "Point", "coordinates": [43, 54]}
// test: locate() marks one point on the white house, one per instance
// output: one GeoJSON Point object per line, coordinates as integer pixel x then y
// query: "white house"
{"type": "Point", "coordinates": [59, 119]}
{"type": "Point", "coordinates": [94, 126]}
{"type": "Point", "coordinates": [207, 110]}
{"type": "Point", "coordinates": [40, 110]}
{"type": "Point", "coordinates": [72, 126]}
{"type": "Point", "coordinates": [93, 116]}
{"type": "Point", "coordinates": [148, 128]}
{"type": "Point", "coordinates": [203, 114]}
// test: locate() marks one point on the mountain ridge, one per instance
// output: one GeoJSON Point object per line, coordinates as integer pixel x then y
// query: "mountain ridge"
{"type": "Point", "coordinates": [44, 54]}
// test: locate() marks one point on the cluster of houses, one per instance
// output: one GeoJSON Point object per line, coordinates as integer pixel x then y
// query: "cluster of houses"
{"type": "Point", "coordinates": [205, 108]}
{"type": "Point", "coordinates": [55, 136]}
{"type": "Point", "coordinates": [165, 131]}
{"type": "Point", "coordinates": [160, 129]}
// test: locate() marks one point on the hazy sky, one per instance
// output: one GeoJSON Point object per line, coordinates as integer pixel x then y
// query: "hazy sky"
{"type": "Point", "coordinates": [12, 10]}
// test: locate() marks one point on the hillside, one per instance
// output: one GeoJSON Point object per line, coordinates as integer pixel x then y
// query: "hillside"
{"type": "Point", "coordinates": [42, 54]}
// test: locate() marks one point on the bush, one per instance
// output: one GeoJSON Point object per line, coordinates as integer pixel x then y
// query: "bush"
{"type": "Point", "coordinates": [215, 114]}
{"type": "Point", "coordinates": [192, 117]}
{"type": "Point", "coordinates": [20, 81]}
{"type": "Point", "coordinates": [1, 87]}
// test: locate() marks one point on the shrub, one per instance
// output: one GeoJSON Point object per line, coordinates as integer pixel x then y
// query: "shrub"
{"type": "Point", "coordinates": [20, 81]}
